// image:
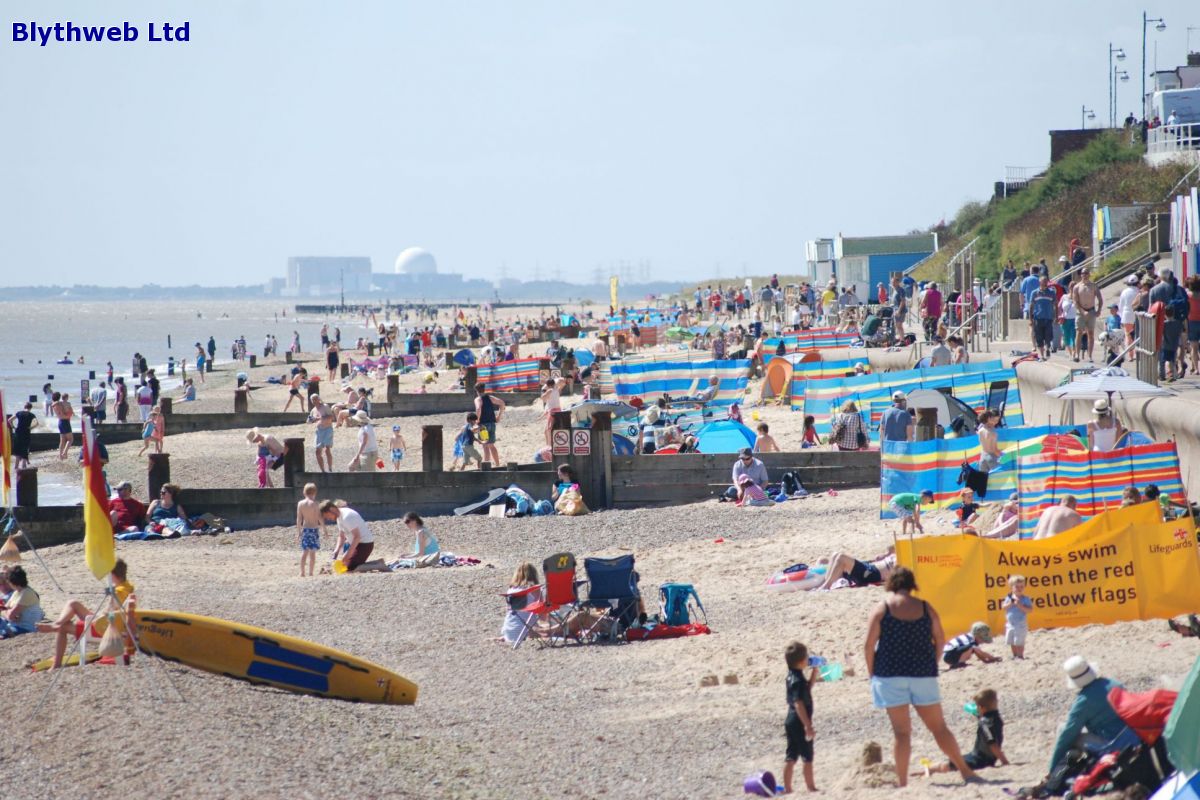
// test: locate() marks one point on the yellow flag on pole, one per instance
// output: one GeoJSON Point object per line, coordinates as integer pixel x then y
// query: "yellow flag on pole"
{"type": "Point", "coordinates": [99, 545]}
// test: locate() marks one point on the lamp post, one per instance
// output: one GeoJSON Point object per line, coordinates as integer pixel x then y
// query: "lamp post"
{"type": "Point", "coordinates": [1117, 75]}
{"type": "Point", "coordinates": [1085, 114]}
{"type": "Point", "coordinates": [1119, 52]}
{"type": "Point", "coordinates": [1160, 26]}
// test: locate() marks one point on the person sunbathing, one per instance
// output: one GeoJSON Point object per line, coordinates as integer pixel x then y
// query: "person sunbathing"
{"type": "Point", "coordinates": [860, 573]}
{"type": "Point", "coordinates": [1008, 521]}
{"type": "Point", "coordinates": [123, 605]}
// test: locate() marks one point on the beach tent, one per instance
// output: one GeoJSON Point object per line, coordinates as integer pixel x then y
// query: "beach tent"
{"type": "Point", "coordinates": [725, 436]}
{"type": "Point", "coordinates": [1183, 726]}
{"type": "Point", "coordinates": [584, 358]}
{"type": "Point", "coordinates": [623, 446]}
{"type": "Point", "coordinates": [464, 358]}
{"type": "Point", "coordinates": [777, 380]}
{"type": "Point", "coordinates": [949, 408]}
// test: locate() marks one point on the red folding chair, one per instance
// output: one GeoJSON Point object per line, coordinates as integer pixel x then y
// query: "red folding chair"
{"type": "Point", "coordinates": [559, 597]}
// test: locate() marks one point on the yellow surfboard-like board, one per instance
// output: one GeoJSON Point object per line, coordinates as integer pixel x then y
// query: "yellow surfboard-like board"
{"type": "Point", "coordinates": [265, 657]}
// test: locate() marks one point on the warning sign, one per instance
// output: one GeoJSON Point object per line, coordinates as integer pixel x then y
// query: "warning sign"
{"type": "Point", "coordinates": [555, 374]}
{"type": "Point", "coordinates": [543, 375]}
{"type": "Point", "coordinates": [560, 443]}
{"type": "Point", "coordinates": [582, 442]}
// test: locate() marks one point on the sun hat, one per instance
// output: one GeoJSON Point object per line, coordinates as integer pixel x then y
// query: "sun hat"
{"type": "Point", "coordinates": [744, 479]}
{"type": "Point", "coordinates": [1014, 498]}
{"type": "Point", "coordinates": [1100, 406]}
{"type": "Point", "coordinates": [982, 632]}
{"type": "Point", "coordinates": [362, 417]}
{"type": "Point", "coordinates": [1080, 672]}
{"type": "Point", "coordinates": [251, 434]}
{"type": "Point", "coordinates": [123, 485]}
{"type": "Point", "coordinates": [898, 395]}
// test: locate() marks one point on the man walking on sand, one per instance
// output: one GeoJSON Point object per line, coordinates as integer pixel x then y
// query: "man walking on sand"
{"type": "Point", "coordinates": [323, 440]}
{"type": "Point", "coordinates": [1088, 303]}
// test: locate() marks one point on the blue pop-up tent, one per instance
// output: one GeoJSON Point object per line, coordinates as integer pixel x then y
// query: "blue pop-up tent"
{"type": "Point", "coordinates": [724, 436]}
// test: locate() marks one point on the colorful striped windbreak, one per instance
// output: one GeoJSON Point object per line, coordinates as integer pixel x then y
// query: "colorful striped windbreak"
{"type": "Point", "coordinates": [872, 393]}
{"type": "Point", "coordinates": [1095, 479]}
{"type": "Point", "coordinates": [510, 376]}
{"type": "Point", "coordinates": [936, 464]}
{"type": "Point", "coordinates": [678, 378]}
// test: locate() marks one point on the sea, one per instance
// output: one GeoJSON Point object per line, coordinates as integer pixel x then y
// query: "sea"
{"type": "Point", "coordinates": [36, 336]}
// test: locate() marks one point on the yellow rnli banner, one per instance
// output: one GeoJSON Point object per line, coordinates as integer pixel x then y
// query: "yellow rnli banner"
{"type": "Point", "coordinates": [1121, 565]}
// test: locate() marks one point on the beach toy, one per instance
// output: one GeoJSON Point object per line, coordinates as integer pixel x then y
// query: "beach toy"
{"type": "Point", "coordinates": [971, 708]}
{"type": "Point", "coordinates": [760, 784]}
{"type": "Point", "coordinates": [817, 661]}
{"type": "Point", "coordinates": [831, 672]}
{"type": "Point", "coordinates": [379, 463]}
{"type": "Point", "coordinates": [754, 415]}
{"type": "Point", "coordinates": [781, 498]}
{"type": "Point", "coordinates": [339, 567]}
{"type": "Point", "coordinates": [924, 762]}
{"type": "Point", "coordinates": [483, 435]}
{"type": "Point", "coordinates": [793, 578]}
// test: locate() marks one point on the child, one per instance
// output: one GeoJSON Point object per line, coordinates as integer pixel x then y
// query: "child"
{"type": "Point", "coordinates": [968, 513]}
{"type": "Point", "coordinates": [989, 736]}
{"type": "Point", "coordinates": [958, 651]}
{"type": "Point", "coordinates": [464, 444]}
{"type": "Point", "coordinates": [907, 506]}
{"type": "Point", "coordinates": [1165, 501]}
{"type": "Point", "coordinates": [397, 446]}
{"type": "Point", "coordinates": [308, 528]}
{"type": "Point", "coordinates": [1016, 607]}
{"type": "Point", "coordinates": [147, 433]}
{"type": "Point", "coordinates": [811, 439]}
{"type": "Point", "coordinates": [159, 431]}
{"type": "Point", "coordinates": [765, 443]}
{"type": "Point", "coordinates": [798, 725]}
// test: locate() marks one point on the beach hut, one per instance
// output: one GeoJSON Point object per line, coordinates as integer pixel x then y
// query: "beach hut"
{"type": "Point", "coordinates": [725, 436]}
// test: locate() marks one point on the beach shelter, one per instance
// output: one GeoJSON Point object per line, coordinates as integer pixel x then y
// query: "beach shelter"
{"type": "Point", "coordinates": [1060, 443]}
{"type": "Point", "coordinates": [724, 436]}
{"type": "Point", "coordinates": [623, 446]}
{"type": "Point", "coordinates": [583, 412]}
{"type": "Point", "coordinates": [464, 358]}
{"type": "Point", "coordinates": [584, 358]}
{"type": "Point", "coordinates": [949, 408]}
{"type": "Point", "coordinates": [777, 381]}
{"type": "Point", "coordinates": [1183, 726]}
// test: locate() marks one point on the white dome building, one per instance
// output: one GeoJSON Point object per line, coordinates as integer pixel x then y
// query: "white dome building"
{"type": "Point", "coordinates": [416, 261]}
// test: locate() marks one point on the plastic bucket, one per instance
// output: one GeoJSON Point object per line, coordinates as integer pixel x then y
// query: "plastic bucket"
{"type": "Point", "coordinates": [760, 784]}
{"type": "Point", "coordinates": [831, 672]}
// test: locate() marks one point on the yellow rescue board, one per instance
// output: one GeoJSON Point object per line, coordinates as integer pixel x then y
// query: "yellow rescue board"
{"type": "Point", "coordinates": [265, 657]}
{"type": "Point", "coordinates": [69, 661]}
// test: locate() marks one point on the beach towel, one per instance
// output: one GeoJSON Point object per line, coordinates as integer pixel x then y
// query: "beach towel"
{"type": "Point", "coordinates": [666, 632]}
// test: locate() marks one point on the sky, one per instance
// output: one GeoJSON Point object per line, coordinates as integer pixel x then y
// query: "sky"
{"type": "Point", "coordinates": [529, 137]}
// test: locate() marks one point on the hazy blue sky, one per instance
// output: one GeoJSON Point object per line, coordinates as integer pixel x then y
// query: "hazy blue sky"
{"type": "Point", "coordinates": [572, 134]}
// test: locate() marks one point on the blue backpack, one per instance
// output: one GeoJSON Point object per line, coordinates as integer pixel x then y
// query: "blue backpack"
{"type": "Point", "coordinates": [676, 599]}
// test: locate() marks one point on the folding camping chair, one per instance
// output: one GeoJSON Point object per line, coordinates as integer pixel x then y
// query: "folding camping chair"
{"type": "Point", "coordinates": [997, 398]}
{"type": "Point", "coordinates": [613, 587]}
{"type": "Point", "coordinates": [559, 598]}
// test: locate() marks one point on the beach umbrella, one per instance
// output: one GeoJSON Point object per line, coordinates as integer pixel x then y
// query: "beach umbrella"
{"type": "Point", "coordinates": [1106, 384]}
{"type": "Point", "coordinates": [583, 412]}
{"type": "Point", "coordinates": [714, 329]}
{"type": "Point", "coordinates": [464, 358]}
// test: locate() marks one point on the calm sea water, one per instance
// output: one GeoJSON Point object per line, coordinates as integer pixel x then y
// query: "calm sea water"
{"type": "Point", "coordinates": [33, 336]}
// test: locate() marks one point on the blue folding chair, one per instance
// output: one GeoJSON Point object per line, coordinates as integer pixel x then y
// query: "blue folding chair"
{"type": "Point", "coordinates": [613, 586]}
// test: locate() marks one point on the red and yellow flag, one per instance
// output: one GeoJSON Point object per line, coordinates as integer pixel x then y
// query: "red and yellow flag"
{"type": "Point", "coordinates": [99, 544]}
{"type": "Point", "coordinates": [5, 453]}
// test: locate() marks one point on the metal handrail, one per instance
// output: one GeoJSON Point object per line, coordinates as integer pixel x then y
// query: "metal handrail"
{"type": "Point", "coordinates": [1176, 138]}
{"type": "Point", "coordinates": [1097, 258]}
{"type": "Point", "coordinates": [1182, 181]}
{"type": "Point", "coordinates": [913, 268]}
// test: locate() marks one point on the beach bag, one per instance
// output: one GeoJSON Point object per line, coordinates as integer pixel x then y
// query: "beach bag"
{"type": "Point", "coordinates": [791, 484]}
{"type": "Point", "coordinates": [570, 502]}
{"type": "Point", "coordinates": [861, 438]}
{"type": "Point", "coordinates": [517, 502]}
{"type": "Point", "coordinates": [542, 508]}
{"type": "Point", "coordinates": [111, 643]}
{"type": "Point", "coordinates": [974, 480]}
{"type": "Point", "coordinates": [679, 601]}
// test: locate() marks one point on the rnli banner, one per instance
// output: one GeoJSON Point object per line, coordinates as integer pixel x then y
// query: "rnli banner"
{"type": "Point", "coordinates": [1121, 565]}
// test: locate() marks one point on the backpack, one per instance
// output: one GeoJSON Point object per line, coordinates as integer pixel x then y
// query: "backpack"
{"type": "Point", "coordinates": [1178, 306]}
{"type": "Point", "coordinates": [791, 484]}
{"type": "Point", "coordinates": [676, 599]}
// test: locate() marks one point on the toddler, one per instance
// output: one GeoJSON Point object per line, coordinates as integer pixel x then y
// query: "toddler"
{"type": "Point", "coordinates": [798, 724]}
{"type": "Point", "coordinates": [1016, 607]}
{"type": "Point", "coordinates": [765, 443]}
{"type": "Point", "coordinates": [397, 446]}
{"type": "Point", "coordinates": [989, 736]}
{"type": "Point", "coordinates": [958, 651]}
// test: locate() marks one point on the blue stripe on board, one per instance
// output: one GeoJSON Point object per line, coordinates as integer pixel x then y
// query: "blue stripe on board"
{"type": "Point", "coordinates": [309, 681]}
{"type": "Point", "coordinates": [302, 660]}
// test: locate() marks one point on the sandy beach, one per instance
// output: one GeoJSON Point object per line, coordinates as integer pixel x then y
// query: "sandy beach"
{"type": "Point", "coordinates": [628, 720]}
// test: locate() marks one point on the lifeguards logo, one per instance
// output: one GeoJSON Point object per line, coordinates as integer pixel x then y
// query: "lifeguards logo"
{"type": "Point", "coordinates": [1183, 541]}
{"type": "Point", "coordinates": [948, 561]}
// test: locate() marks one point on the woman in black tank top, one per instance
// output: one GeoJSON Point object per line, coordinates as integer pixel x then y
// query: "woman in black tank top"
{"type": "Point", "coordinates": [904, 637]}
